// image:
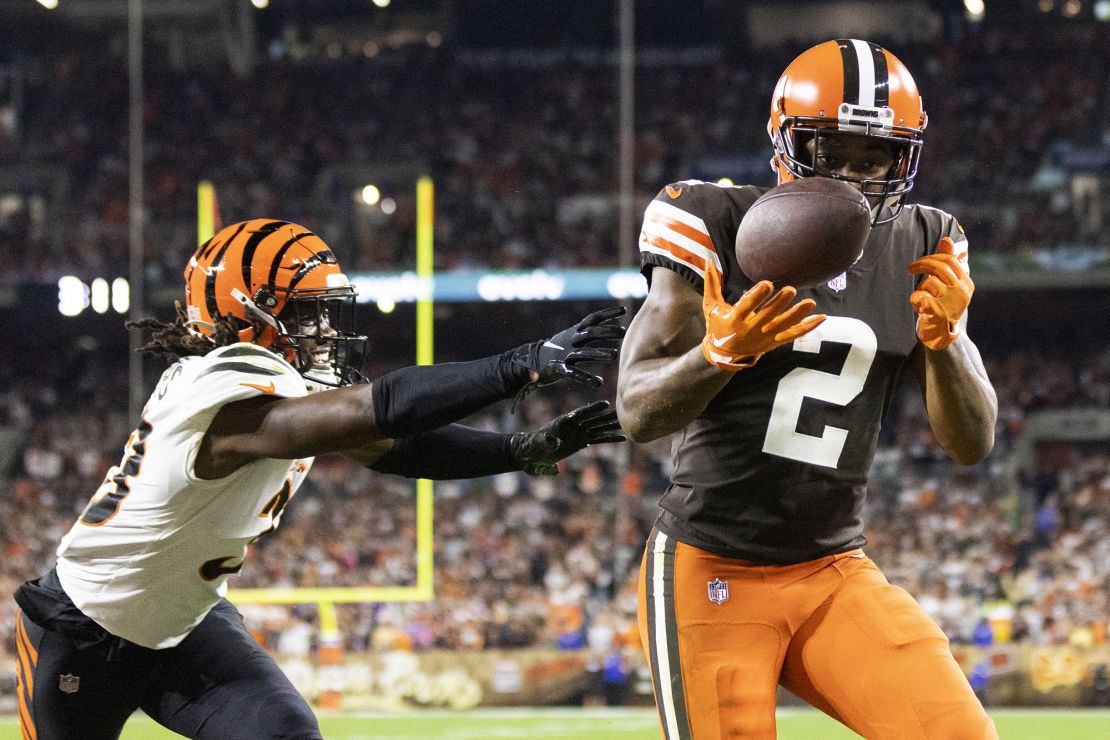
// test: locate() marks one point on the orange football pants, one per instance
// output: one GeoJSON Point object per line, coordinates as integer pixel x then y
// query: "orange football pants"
{"type": "Point", "coordinates": [832, 630]}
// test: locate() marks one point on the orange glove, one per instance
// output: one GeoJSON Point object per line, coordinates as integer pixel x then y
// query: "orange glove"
{"type": "Point", "coordinates": [738, 335]}
{"type": "Point", "coordinates": [942, 297]}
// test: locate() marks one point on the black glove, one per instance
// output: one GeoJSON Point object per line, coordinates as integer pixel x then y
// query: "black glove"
{"type": "Point", "coordinates": [537, 452]}
{"type": "Point", "coordinates": [590, 340]}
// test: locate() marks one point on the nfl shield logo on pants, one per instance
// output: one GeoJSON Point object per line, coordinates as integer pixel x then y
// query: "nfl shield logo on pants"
{"type": "Point", "coordinates": [718, 591]}
{"type": "Point", "coordinates": [69, 683]}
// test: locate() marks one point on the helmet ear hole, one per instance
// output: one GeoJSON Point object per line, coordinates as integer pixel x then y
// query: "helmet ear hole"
{"type": "Point", "coordinates": [265, 299]}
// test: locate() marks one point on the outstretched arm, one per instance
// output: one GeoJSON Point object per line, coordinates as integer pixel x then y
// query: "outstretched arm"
{"type": "Point", "coordinates": [456, 451]}
{"type": "Point", "coordinates": [403, 403]}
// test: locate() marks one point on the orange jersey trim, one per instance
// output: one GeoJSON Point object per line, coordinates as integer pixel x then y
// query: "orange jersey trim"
{"type": "Point", "coordinates": [680, 253]}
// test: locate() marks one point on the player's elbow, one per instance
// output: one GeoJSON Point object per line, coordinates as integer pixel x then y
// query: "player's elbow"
{"type": "Point", "coordinates": [638, 432]}
{"type": "Point", "coordinates": [973, 450]}
{"type": "Point", "coordinates": [632, 423]}
{"type": "Point", "coordinates": [638, 426]}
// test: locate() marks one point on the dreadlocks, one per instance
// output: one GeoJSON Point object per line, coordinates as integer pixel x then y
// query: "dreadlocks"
{"type": "Point", "coordinates": [176, 340]}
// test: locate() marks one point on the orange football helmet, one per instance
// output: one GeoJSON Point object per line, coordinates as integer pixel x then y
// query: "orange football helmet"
{"type": "Point", "coordinates": [278, 284]}
{"type": "Point", "coordinates": [852, 87]}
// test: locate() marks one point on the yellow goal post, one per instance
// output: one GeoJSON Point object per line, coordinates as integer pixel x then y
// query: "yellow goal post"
{"type": "Point", "coordinates": [424, 588]}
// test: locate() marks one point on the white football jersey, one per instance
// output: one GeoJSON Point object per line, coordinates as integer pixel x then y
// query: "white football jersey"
{"type": "Point", "coordinates": [151, 554]}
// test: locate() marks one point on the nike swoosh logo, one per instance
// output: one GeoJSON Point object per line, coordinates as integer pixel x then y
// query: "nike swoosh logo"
{"type": "Point", "coordinates": [267, 389]}
{"type": "Point", "coordinates": [674, 193]}
{"type": "Point", "coordinates": [552, 345]}
{"type": "Point", "coordinates": [720, 342]}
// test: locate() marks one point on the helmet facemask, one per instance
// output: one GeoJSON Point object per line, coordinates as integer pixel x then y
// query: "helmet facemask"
{"type": "Point", "coordinates": [315, 333]}
{"type": "Point", "coordinates": [886, 194]}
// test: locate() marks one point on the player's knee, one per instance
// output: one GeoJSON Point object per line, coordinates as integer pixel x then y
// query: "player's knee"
{"type": "Point", "coordinates": [972, 723]}
{"type": "Point", "coordinates": [287, 716]}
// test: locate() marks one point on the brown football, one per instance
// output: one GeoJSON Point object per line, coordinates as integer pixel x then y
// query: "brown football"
{"type": "Point", "coordinates": [803, 232]}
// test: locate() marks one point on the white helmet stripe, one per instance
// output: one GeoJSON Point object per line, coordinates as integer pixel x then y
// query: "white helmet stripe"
{"type": "Point", "coordinates": [866, 76]}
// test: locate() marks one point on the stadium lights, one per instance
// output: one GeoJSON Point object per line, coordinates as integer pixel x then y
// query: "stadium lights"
{"type": "Point", "coordinates": [261, 4]}
{"type": "Point", "coordinates": [382, 3]}
{"type": "Point", "coordinates": [1072, 8]}
{"type": "Point", "coordinates": [74, 295]}
{"type": "Point", "coordinates": [100, 296]}
{"type": "Point", "coordinates": [725, 182]}
{"type": "Point", "coordinates": [48, 4]}
{"type": "Point", "coordinates": [370, 195]}
{"type": "Point", "coordinates": [975, 9]}
{"type": "Point", "coordinates": [121, 295]}
{"type": "Point", "coordinates": [1046, 6]}
{"type": "Point", "coordinates": [389, 206]}
{"type": "Point", "coordinates": [1102, 10]}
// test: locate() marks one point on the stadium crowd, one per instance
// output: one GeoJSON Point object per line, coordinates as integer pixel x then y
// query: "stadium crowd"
{"type": "Point", "coordinates": [523, 152]}
{"type": "Point", "coordinates": [523, 148]}
{"type": "Point", "coordinates": [994, 553]}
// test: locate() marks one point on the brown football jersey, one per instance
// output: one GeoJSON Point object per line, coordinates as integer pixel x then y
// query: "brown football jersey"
{"type": "Point", "coordinates": [775, 469]}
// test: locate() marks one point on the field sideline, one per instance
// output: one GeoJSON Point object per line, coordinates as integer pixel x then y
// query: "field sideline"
{"type": "Point", "coordinates": [623, 724]}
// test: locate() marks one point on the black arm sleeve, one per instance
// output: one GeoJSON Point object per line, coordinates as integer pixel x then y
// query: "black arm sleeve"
{"type": "Point", "coordinates": [413, 400]}
{"type": "Point", "coordinates": [450, 452]}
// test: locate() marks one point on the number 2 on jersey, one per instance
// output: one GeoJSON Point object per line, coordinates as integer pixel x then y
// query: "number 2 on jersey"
{"type": "Point", "coordinates": [801, 383]}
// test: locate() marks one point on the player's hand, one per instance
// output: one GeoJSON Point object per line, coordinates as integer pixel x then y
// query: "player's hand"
{"type": "Point", "coordinates": [736, 336]}
{"type": "Point", "coordinates": [942, 297]}
{"type": "Point", "coordinates": [538, 452]}
{"type": "Point", "coordinates": [595, 338]}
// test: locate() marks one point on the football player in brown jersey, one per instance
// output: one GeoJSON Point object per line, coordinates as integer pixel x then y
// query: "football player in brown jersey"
{"type": "Point", "coordinates": [754, 574]}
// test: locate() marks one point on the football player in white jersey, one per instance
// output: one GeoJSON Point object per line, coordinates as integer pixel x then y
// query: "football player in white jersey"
{"type": "Point", "coordinates": [134, 615]}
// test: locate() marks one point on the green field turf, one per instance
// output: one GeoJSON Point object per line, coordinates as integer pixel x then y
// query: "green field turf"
{"type": "Point", "coordinates": [623, 724]}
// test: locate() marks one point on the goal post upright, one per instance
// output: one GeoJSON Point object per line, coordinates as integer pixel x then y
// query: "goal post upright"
{"type": "Point", "coordinates": [424, 588]}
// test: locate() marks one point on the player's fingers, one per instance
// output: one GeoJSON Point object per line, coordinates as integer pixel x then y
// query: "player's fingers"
{"type": "Point", "coordinates": [755, 296]}
{"type": "Point", "coordinates": [931, 265]}
{"type": "Point", "coordinates": [599, 333]}
{"type": "Point", "coordinates": [598, 317]}
{"type": "Point", "coordinates": [927, 305]}
{"type": "Point", "coordinates": [946, 245]}
{"type": "Point", "coordinates": [607, 438]}
{"type": "Point", "coordinates": [570, 372]}
{"type": "Point", "coordinates": [932, 286]}
{"type": "Point", "coordinates": [605, 422]}
{"type": "Point", "coordinates": [798, 330]}
{"type": "Point", "coordinates": [589, 410]}
{"type": "Point", "coordinates": [775, 305]}
{"type": "Point", "coordinates": [952, 261]}
{"type": "Point", "coordinates": [592, 354]}
{"type": "Point", "coordinates": [790, 316]}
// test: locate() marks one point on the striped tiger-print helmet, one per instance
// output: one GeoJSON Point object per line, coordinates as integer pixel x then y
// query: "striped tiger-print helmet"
{"type": "Point", "coordinates": [848, 87]}
{"type": "Point", "coordinates": [278, 284]}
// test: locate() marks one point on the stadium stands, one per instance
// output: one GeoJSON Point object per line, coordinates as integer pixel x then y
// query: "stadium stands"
{"type": "Point", "coordinates": [522, 147]}
{"type": "Point", "coordinates": [1015, 550]}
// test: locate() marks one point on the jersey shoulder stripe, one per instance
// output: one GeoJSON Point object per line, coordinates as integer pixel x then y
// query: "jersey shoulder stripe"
{"type": "Point", "coordinates": [239, 367]}
{"type": "Point", "coordinates": [243, 349]}
{"type": "Point", "coordinates": [677, 234]}
{"type": "Point", "coordinates": [235, 373]}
